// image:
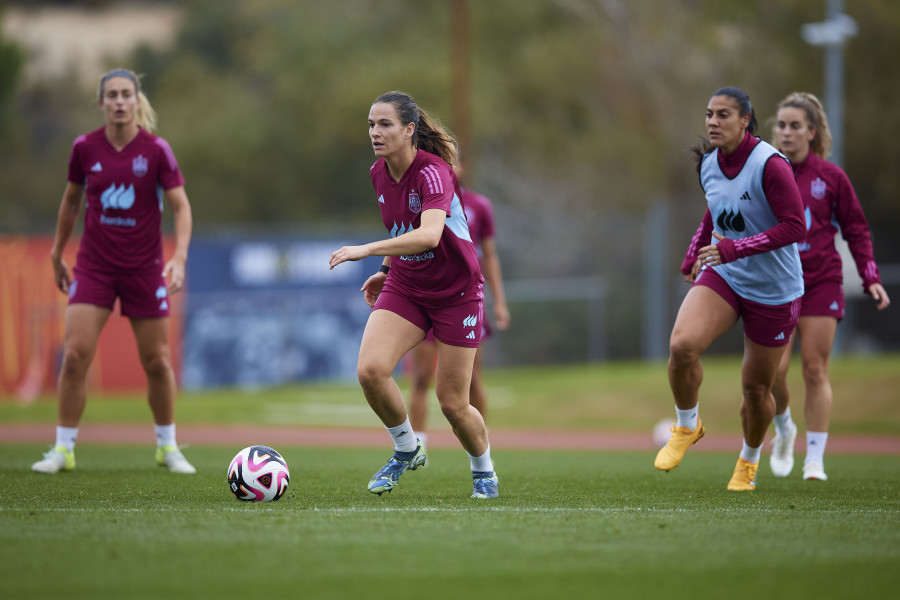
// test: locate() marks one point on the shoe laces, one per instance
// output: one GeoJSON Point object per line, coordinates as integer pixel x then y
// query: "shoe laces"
{"type": "Point", "coordinates": [750, 474]}
{"type": "Point", "coordinates": [483, 480]}
{"type": "Point", "coordinates": [393, 468]}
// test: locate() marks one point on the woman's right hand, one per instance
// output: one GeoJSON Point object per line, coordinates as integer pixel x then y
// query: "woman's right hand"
{"type": "Point", "coordinates": [695, 271]}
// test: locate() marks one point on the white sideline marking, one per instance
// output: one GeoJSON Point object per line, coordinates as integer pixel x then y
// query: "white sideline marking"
{"type": "Point", "coordinates": [429, 509]}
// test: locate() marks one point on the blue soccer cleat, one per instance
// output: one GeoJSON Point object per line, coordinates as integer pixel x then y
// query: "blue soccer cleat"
{"type": "Point", "coordinates": [484, 484]}
{"type": "Point", "coordinates": [389, 475]}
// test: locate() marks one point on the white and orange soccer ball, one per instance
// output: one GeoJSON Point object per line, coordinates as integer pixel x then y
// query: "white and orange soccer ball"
{"type": "Point", "coordinates": [258, 474]}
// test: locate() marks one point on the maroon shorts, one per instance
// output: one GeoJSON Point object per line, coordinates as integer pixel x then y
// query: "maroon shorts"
{"type": "Point", "coordinates": [458, 325]}
{"type": "Point", "coordinates": [765, 324]}
{"type": "Point", "coordinates": [142, 295]}
{"type": "Point", "coordinates": [823, 299]}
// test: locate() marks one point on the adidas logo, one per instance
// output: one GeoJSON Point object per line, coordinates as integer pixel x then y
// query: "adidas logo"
{"type": "Point", "coordinates": [746, 197]}
{"type": "Point", "coordinates": [96, 168]}
{"type": "Point", "coordinates": [471, 335]}
{"type": "Point", "coordinates": [470, 321]}
{"type": "Point", "coordinates": [780, 336]}
{"type": "Point", "coordinates": [163, 305]}
{"type": "Point", "coordinates": [381, 199]}
{"type": "Point", "coordinates": [833, 306]}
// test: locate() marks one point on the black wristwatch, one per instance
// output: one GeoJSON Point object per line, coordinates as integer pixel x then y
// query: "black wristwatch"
{"type": "Point", "coordinates": [384, 269]}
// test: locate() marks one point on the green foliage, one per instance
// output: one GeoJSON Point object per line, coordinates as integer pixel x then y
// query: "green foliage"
{"type": "Point", "coordinates": [265, 102]}
{"type": "Point", "coordinates": [567, 524]}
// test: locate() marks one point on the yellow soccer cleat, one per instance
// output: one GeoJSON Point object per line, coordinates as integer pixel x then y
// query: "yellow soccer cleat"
{"type": "Point", "coordinates": [671, 454]}
{"type": "Point", "coordinates": [744, 477]}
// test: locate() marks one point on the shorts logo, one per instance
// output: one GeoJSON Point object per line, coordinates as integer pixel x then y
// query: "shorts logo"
{"type": "Point", "coordinates": [471, 335]}
{"type": "Point", "coordinates": [833, 306]}
{"type": "Point", "coordinates": [415, 204]}
{"type": "Point", "coordinates": [161, 292]}
{"type": "Point", "coordinates": [139, 166]}
{"type": "Point", "coordinates": [470, 321]}
{"type": "Point", "coordinates": [817, 188]}
{"type": "Point", "coordinates": [72, 288]}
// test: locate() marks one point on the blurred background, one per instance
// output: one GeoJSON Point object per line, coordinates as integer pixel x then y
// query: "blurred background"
{"type": "Point", "coordinates": [574, 117]}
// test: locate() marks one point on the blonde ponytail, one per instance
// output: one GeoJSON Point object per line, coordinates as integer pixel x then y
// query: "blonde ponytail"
{"type": "Point", "coordinates": [146, 116]}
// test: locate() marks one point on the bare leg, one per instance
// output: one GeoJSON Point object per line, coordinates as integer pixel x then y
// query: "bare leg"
{"type": "Point", "coordinates": [817, 339]}
{"type": "Point", "coordinates": [152, 336]}
{"type": "Point", "coordinates": [780, 389]}
{"type": "Point", "coordinates": [83, 325]}
{"type": "Point", "coordinates": [703, 317]}
{"type": "Point", "coordinates": [423, 357]}
{"type": "Point", "coordinates": [454, 376]}
{"type": "Point", "coordinates": [757, 377]}
{"type": "Point", "coordinates": [477, 393]}
{"type": "Point", "coordinates": [387, 338]}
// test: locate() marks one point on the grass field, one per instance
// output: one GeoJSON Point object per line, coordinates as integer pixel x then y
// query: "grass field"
{"type": "Point", "coordinates": [567, 524]}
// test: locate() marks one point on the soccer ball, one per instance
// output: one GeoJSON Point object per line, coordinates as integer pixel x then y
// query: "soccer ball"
{"type": "Point", "coordinates": [662, 432]}
{"type": "Point", "coordinates": [258, 474]}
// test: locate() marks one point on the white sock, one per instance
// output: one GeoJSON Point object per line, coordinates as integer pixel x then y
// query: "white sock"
{"type": "Point", "coordinates": [750, 454]}
{"type": "Point", "coordinates": [404, 437]}
{"type": "Point", "coordinates": [165, 435]}
{"type": "Point", "coordinates": [423, 437]}
{"type": "Point", "coordinates": [66, 436]}
{"type": "Point", "coordinates": [483, 462]}
{"type": "Point", "coordinates": [783, 422]}
{"type": "Point", "coordinates": [815, 446]}
{"type": "Point", "coordinates": [687, 418]}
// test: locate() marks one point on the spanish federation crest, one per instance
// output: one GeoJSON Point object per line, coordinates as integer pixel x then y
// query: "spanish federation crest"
{"type": "Point", "coordinates": [139, 166]}
{"type": "Point", "coordinates": [817, 188]}
{"type": "Point", "coordinates": [415, 204]}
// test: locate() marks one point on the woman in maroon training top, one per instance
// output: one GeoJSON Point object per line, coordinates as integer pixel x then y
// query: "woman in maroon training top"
{"type": "Point", "coordinates": [801, 133]}
{"type": "Point", "coordinates": [429, 279]}
{"type": "Point", "coordinates": [121, 173]}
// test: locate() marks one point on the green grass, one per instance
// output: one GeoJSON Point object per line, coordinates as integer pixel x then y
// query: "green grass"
{"type": "Point", "coordinates": [620, 396]}
{"type": "Point", "coordinates": [567, 525]}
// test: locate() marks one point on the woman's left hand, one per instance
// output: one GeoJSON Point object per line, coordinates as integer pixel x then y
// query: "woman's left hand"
{"type": "Point", "coordinates": [709, 255]}
{"type": "Point", "coordinates": [174, 273]}
{"type": "Point", "coordinates": [880, 296]}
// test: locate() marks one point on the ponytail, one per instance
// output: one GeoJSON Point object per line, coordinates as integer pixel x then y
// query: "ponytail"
{"type": "Point", "coordinates": [146, 116]}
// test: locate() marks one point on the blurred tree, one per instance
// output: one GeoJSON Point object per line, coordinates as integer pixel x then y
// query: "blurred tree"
{"type": "Point", "coordinates": [582, 113]}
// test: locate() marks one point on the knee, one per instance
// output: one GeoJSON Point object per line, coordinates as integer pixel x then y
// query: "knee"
{"type": "Point", "coordinates": [371, 373]}
{"type": "Point", "coordinates": [75, 362]}
{"type": "Point", "coordinates": [421, 379]}
{"type": "Point", "coordinates": [454, 412]}
{"type": "Point", "coordinates": [815, 372]}
{"type": "Point", "coordinates": [157, 364]}
{"type": "Point", "coordinates": [756, 394]}
{"type": "Point", "coordinates": [682, 351]}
